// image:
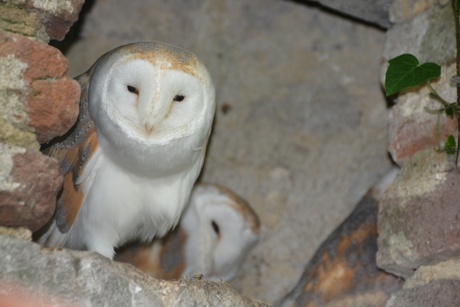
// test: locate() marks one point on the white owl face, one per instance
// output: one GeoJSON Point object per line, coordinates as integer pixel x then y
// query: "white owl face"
{"type": "Point", "coordinates": [228, 229]}
{"type": "Point", "coordinates": [151, 101]}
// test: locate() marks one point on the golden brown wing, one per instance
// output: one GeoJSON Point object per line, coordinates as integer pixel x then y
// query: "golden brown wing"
{"type": "Point", "coordinates": [73, 151]}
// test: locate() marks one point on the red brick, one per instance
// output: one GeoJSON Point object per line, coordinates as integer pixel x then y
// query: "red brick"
{"type": "Point", "coordinates": [32, 199]}
{"type": "Point", "coordinates": [52, 98]}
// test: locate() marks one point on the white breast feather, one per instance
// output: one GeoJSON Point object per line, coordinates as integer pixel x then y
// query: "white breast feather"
{"type": "Point", "coordinates": [120, 207]}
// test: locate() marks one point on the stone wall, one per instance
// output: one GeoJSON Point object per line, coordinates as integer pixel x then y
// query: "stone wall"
{"type": "Point", "coordinates": [419, 233]}
{"type": "Point", "coordinates": [38, 102]}
{"type": "Point", "coordinates": [300, 132]}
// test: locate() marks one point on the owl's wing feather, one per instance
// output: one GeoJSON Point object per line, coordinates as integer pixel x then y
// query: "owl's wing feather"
{"type": "Point", "coordinates": [78, 154]}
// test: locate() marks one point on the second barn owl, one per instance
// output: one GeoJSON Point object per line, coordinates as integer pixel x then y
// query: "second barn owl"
{"type": "Point", "coordinates": [131, 159]}
{"type": "Point", "coordinates": [214, 236]}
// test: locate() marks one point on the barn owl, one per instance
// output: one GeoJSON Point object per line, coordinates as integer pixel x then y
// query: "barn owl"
{"type": "Point", "coordinates": [343, 271]}
{"type": "Point", "coordinates": [215, 234]}
{"type": "Point", "coordinates": [132, 158]}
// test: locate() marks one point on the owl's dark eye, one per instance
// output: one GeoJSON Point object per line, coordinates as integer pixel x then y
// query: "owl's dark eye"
{"type": "Point", "coordinates": [133, 90]}
{"type": "Point", "coordinates": [178, 98]}
{"type": "Point", "coordinates": [215, 227]}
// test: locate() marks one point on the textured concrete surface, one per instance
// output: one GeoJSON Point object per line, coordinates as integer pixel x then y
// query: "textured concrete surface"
{"type": "Point", "coordinates": [300, 130]}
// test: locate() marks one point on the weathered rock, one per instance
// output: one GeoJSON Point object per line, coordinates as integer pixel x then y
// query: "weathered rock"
{"type": "Point", "coordinates": [412, 128]}
{"type": "Point", "coordinates": [430, 36]}
{"type": "Point", "coordinates": [57, 16]}
{"type": "Point", "coordinates": [435, 285]}
{"type": "Point", "coordinates": [375, 12]}
{"type": "Point", "coordinates": [14, 118]}
{"type": "Point", "coordinates": [54, 107]}
{"type": "Point", "coordinates": [29, 183]}
{"type": "Point", "coordinates": [17, 232]}
{"type": "Point", "coordinates": [419, 215]}
{"type": "Point", "coordinates": [19, 21]}
{"type": "Point", "coordinates": [45, 277]}
{"type": "Point", "coordinates": [343, 271]}
{"type": "Point", "coordinates": [403, 10]}
{"type": "Point", "coordinates": [37, 79]}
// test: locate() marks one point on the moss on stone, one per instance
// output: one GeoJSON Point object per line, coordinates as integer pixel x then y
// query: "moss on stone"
{"type": "Point", "coordinates": [14, 129]}
{"type": "Point", "coordinates": [16, 20]}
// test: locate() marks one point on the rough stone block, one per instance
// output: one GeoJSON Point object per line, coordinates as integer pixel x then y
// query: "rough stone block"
{"type": "Point", "coordinates": [44, 277]}
{"type": "Point", "coordinates": [29, 183]}
{"type": "Point", "coordinates": [19, 21]}
{"type": "Point", "coordinates": [403, 10]}
{"type": "Point", "coordinates": [419, 215]}
{"type": "Point", "coordinates": [428, 28]}
{"type": "Point", "coordinates": [14, 127]}
{"type": "Point", "coordinates": [430, 36]}
{"type": "Point", "coordinates": [40, 83]}
{"type": "Point", "coordinates": [375, 12]}
{"type": "Point", "coordinates": [412, 128]}
{"type": "Point", "coordinates": [343, 271]}
{"type": "Point", "coordinates": [56, 15]}
{"type": "Point", "coordinates": [48, 111]}
{"type": "Point", "coordinates": [19, 233]}
{"type": "Point", "coordinates": [435, 285]}
{"type": "Point", "coordinates": [425, 27]}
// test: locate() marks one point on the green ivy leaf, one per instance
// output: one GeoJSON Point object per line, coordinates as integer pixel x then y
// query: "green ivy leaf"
{"type": "Point", "coordinates": [449, 147]}
{"type": "Point", "coordinates": [457, 5]}
{"type": "Point", "coordinates": [405, 72]}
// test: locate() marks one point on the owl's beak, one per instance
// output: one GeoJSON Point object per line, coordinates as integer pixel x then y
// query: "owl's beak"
{"type": "Point", "coordinates": [148, 129]}
{"type": "Point", "coordinates": [154, 112]}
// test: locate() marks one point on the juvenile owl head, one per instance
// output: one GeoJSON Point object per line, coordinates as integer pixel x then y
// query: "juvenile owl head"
{"type": "Point", "coordinates": [151, 101]}
{"type": "Point", "coordinates": [216, 233]}
{"type": "Point", "coordinates": [223, 228]}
